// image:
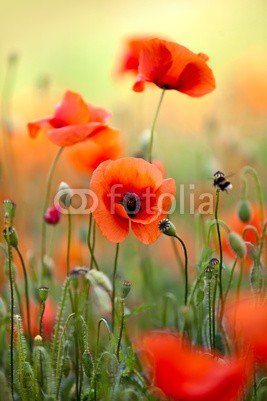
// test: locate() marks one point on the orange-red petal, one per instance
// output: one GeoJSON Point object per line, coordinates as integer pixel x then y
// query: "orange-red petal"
{"type": "Point", "coordinates": [35, 127]}
{"type": "Point", "coordinates": [72, 110]}
{"type": "Point", "coordinates": [72, 134]}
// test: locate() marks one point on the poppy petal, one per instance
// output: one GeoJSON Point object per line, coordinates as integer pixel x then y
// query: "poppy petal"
{"type": "Point", "coordinates": [112, 226]}
{"type": "Point", "coordinates": [72, 110]}
{"type": "Point", "coordinates": [148, 233]}
{"type": "Point", "coordinates": [35, 127]}
{"type": "Point", "coordinates": [98, 114]}
{"type": "Point", "coordinates": [196, 79]}
{"type": "Point", "coordinates": [72, 134]}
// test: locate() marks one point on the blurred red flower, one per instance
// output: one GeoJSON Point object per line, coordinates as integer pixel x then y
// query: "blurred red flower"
{"type": "Point", "coordinates": [187, 374]}
{"type": "Point", "coordinates": [73, 121]}
{"type": "Point", "coordinates": [130, 58]}
{"type": "Point", "coordinates": [130, 191]}
{"type": "Point", "coordinates": [246, 318]}
{"type": "Point", "coordinates": [106, 144]}
{"type": "Point", "coordinates": [172, 66]}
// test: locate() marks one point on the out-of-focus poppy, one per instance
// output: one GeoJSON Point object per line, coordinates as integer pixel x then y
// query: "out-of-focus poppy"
{"type": "Point", "coordinates": [187, 374]}
{"type": "Point", "coordinates": [73, 121]}
{"type": "Point", "coordinates": [52, 215]}
{"type": "Point", "coordinates": [130, 57]}
{"type": "Point", "coordinates": [130, 191]}
{"type": "Point", "coordinates": [106, 144]}
{"type": "Point", "coordinates": [246, 318]}
{"type": "Point", "coordinates": [172, 66]}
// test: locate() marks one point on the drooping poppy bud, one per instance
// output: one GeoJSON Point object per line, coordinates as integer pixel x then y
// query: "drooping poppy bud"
{"type": "Point", "coordinates": [52, 215]}
{"type": "Point", "coordinates": [244, 211]}
{"type": "Point", "coordinates": [237, 244]}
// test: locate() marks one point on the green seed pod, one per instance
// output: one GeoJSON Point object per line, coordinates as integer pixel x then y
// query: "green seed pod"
{"type": "Point", "coordinates": [125, 288]}
{"type": "Point", "coordinates": [43, 293]}
{"type": "Point", "coordinates": [237, 244]}
{"type": "Point", "coordinates": [167, 227]}
{"type": "Point", "coordinates": [66, 368]}
{"type": "Point", "coordinates": [209, 272]}
{"type": "Point", "coordinates": [256, 278]}
{"type": "Point", "coordinates": [244, 211]}
{"type": "Point", "coordinates": [11, 236]}
{"type": "Point", "coordinates": [10, 209]}
{"type": "Point", "coordinates": [88, 364]}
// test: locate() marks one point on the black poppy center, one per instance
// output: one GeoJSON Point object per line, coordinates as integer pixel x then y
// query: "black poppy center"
{"type": "Point", "coordinates": [131, 203]}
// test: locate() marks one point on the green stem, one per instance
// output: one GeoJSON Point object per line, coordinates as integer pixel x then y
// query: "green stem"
{"type": "Point", "coordinates": [230, 280]}
{"type": "Point", "coordinates": [121, 328]}
{"type": "Point", "coordinates": [178, 257]}
{"type": "Point", "coordinates": [27, 296]}
{"type": "Point", "coordinates": [11, 280]}
{"type": "Point", "coordinates": [114, 286]}
{"type": "Point", "coordinates": [185, 267]}
{"type": "Point", "coordinates": [252, 171]}
{"type": "Point", "coordinates": [220, 244]}
{"type": "Point", "coordinates": [215, 222]}
{"type": "Point", "coordinates": [210, 315]}
{"type": "Point", "coordinates": [93, 259]}
{"type": "Point", "coordinates": [93, 243]}
{"type": "Point", "coordinates": [41, 319]}
{"type": "Point", "coordinates": [214, 313]}
{"type": "Point", "coordinates": [69, 241]}
{"type": "Point", "coordinates": [48, 190]}
{"type": "Point", "coordinates": [153, 127]}
{"type": "Point", "coordinates": [169, 297]}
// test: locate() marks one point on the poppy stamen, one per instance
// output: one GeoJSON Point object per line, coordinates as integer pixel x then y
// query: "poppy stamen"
{"type": "Point", "coordinates": [131, 203]}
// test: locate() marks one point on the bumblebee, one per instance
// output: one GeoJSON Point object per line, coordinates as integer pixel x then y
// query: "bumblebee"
{"type": "Point", "coordinates": [220, 182]}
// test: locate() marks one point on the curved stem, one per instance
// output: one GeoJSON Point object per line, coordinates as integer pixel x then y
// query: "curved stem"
{"type": "Point", "coordinates": [210, 314]}
{"type": "Point", "coordinates": [214, 313]}
{"type": "Point", "coordinates": [41, 319]}
{"type": "Point", "coordinates": [252, 171]}
{"type": "Point", "coordinates": [27, 296]}
{"type": "Point", "coordinates": [153, 127]}
{"type": "Point", "coordinates": [91, 249]}
{"type": "Point", "coordinates": [69, 241]}
{"type": "Point", "coordinates": [114, 286]}
{"type": "Point", "coordinates": [11, 280]}
{"type": "Point", "coordinates": [220, 244]}
{"type": "Point", "coordinates": [121, 328]}
{"type": "Point", "coordinates": [185, 267]}
{"type": "Point", "coordinates": [48, 190]}
{"type": "Point", "coordinates": [215, 222]}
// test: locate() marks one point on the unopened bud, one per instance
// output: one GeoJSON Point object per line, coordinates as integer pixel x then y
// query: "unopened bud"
{"type": "Point", "coordinates": [98, 278]}
{"type": "Point", "coordinates": [244, 211]}
{"type": "Point", "coordinates": [167, 227]}
{"type": "Point", "coordinates": [65, 194]}
{"type": "Point", "coordinates": [11, 236]}
{"type": "Point", "coordinates": [38, 340]}
{"type": "Point", "coordinates": [237, 244]}
{"type": "Point", "coordinates": [256, 278]}
{"type": "Point", "coordinates": [52, 215]}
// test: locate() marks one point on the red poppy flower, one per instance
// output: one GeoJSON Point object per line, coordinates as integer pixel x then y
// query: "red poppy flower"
{"type": "Point", "coordinates": [130, 58]}
{"type": "Point", "coordinates": [185, 374]}
{"type": "Point", "coordinates": [106, 144]}
{"type": "Point", "coordinates": [246, 318]}
{"type": "Point", "coordinates": [130, 191]}
{"type": "Point", "coordinates": [172, 66]}
{"type": "Point", "coordinates": [73, 121]}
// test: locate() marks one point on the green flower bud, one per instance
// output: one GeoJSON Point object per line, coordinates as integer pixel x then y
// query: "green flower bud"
{"type": "Point", "coordinates": [38, 340]}
{"type": "Point", "coordinates": [65, 194]}
{"type": "Point", "coordinates": [98, 278]}
{"type": "Point", "coordinates": [11, 236]}
{"type": "Point", "coordinates": [88, 364]}
{"type": "Point", "coordinates": [237, 244]}
{"type": "Point", "coordinates": [167, 227]}
{"type": "Point", "coordinates": [43, 293]}
{"type": "Point", "coordinates": [244, 211]}
{"type": "Point", "coordinates": [256, 278]}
